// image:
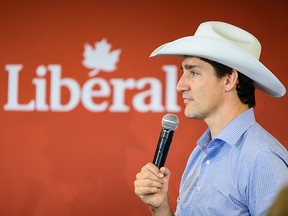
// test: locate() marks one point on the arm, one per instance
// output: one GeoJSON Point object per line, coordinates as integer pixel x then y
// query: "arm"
{"type": "Point", "coordinates": [270, 175]}
{"type": "Point", "coordinates": [151, 186]}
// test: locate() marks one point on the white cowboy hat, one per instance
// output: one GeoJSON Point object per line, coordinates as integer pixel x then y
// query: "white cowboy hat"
{"type": "Point", "coordinates": [228, 45]}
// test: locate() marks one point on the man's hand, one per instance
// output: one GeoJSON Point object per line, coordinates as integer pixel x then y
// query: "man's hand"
{"type": "Point", "coordinates": [151, 185]}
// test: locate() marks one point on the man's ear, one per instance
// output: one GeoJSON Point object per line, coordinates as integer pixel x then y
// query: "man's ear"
{"type": "Point", "coordinates": [231, 81]}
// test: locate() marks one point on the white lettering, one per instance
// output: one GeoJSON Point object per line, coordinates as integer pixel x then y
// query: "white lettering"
{"type": "Point", "coordinates": [40, 84]}
{"type": "Point", "coordinates": [13, 84]}
{"type": "Point", "coordinates": [120, 86]}
{"type": "Point", "coordinates": [88, 94]}
{"type": "Point", "coordinates": [171, 93]}
{"type": "Point", "coordinates": [55, 95]}
{"type": "Point", "coordinates": [141, 100]}
{"type": "Point", "coordinates": [95, 94]}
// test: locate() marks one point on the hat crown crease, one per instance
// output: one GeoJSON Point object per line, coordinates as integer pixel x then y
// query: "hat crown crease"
{"type": "Point", "coordinates": [232, 34]}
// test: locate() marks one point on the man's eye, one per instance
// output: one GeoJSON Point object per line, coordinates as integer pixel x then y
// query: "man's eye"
{"type": "Point", "coordinates": [193, 73]}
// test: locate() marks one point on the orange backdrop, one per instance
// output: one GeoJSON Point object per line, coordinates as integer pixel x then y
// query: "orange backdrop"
{"type": "Point", "coordinates": [74, 132]}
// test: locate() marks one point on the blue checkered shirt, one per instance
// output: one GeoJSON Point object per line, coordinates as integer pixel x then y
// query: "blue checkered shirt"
{"type": "Point", "coordinates": [239, 172]}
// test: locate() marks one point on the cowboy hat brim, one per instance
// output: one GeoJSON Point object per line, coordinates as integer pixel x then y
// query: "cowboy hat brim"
{"type": "Point", "coordinates": [227, 54]}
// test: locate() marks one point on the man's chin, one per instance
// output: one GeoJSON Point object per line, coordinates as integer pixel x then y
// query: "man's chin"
{"type": "Point", "coordinates": [192, 115]}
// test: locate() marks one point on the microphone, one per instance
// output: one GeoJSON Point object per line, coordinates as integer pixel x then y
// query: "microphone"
{"type": "Point", "coordinates": [169, 124]}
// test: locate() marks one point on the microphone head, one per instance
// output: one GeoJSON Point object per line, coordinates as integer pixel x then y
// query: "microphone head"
{"type": "Point", "coordinates": [170, 122]}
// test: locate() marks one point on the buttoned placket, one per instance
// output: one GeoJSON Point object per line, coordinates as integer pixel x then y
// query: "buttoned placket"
{"type": "Point", "coordinates": [194, 185]}
{"type": "Point", "coordinates": [212, 150]}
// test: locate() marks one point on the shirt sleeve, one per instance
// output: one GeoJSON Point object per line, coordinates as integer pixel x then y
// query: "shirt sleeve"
{"type": "Point", "coordinates": [268, 176]}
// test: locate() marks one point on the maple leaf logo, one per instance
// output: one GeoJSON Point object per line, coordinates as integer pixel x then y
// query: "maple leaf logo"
{"type": "Point", "coordinates": [100, 58]}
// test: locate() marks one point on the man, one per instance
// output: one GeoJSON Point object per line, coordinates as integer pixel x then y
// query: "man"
{"type": "Point", "coordinates": [237, 167]}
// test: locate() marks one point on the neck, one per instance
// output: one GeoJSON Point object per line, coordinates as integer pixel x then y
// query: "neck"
{"type": "Point", "coordinates": [217, 122]}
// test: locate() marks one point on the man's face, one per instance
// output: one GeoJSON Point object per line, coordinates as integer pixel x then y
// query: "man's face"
{"type": "Point", "coordinates": [202, 91]}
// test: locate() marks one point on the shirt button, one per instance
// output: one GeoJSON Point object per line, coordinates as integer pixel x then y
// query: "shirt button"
{"type": "Point", "coordinates": [198, 188]}
{"type": "Point", "coordinates": [207, 162]}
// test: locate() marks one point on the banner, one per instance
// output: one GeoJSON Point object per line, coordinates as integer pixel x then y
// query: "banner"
{"type": "Point", "coordinates": [81, 102]}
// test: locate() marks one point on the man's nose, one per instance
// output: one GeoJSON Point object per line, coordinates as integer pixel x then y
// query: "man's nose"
{"type": "Point", "coordinates": [182, 84]}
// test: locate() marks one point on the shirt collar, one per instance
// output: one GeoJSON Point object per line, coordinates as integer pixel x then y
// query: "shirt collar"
{"type": "Point", "coordinates": [232, 132]}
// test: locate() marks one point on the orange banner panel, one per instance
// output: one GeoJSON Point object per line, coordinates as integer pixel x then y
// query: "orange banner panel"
{"type": "Point", "coordinates": [81, 102]}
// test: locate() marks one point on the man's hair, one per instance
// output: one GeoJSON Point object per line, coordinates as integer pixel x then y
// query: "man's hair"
{"type": "Point", "coordinates": [245, 86]}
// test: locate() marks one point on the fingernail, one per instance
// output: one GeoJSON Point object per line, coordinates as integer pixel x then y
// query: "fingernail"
{"type": "Point", "coordinates": [161, 175]}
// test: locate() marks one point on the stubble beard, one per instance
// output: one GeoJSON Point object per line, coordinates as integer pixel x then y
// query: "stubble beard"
{"type": "Point", "coordinates": [192, 113]}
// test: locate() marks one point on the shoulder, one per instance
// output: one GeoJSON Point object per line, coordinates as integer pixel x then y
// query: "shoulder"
{"type": "Point", "coordinates": [258, 143]}
{"type": "Point", "coordinates": [261, 154]}
{"type": "Point", "coordinates": [263, 166]}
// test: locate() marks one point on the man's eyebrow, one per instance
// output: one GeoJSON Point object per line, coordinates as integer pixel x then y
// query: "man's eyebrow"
{"type": "Point", "coordinates": [188, 67]}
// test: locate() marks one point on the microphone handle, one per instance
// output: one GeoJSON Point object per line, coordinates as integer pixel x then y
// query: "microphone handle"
{"type": "Point", "coordinates": [163, 146]}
